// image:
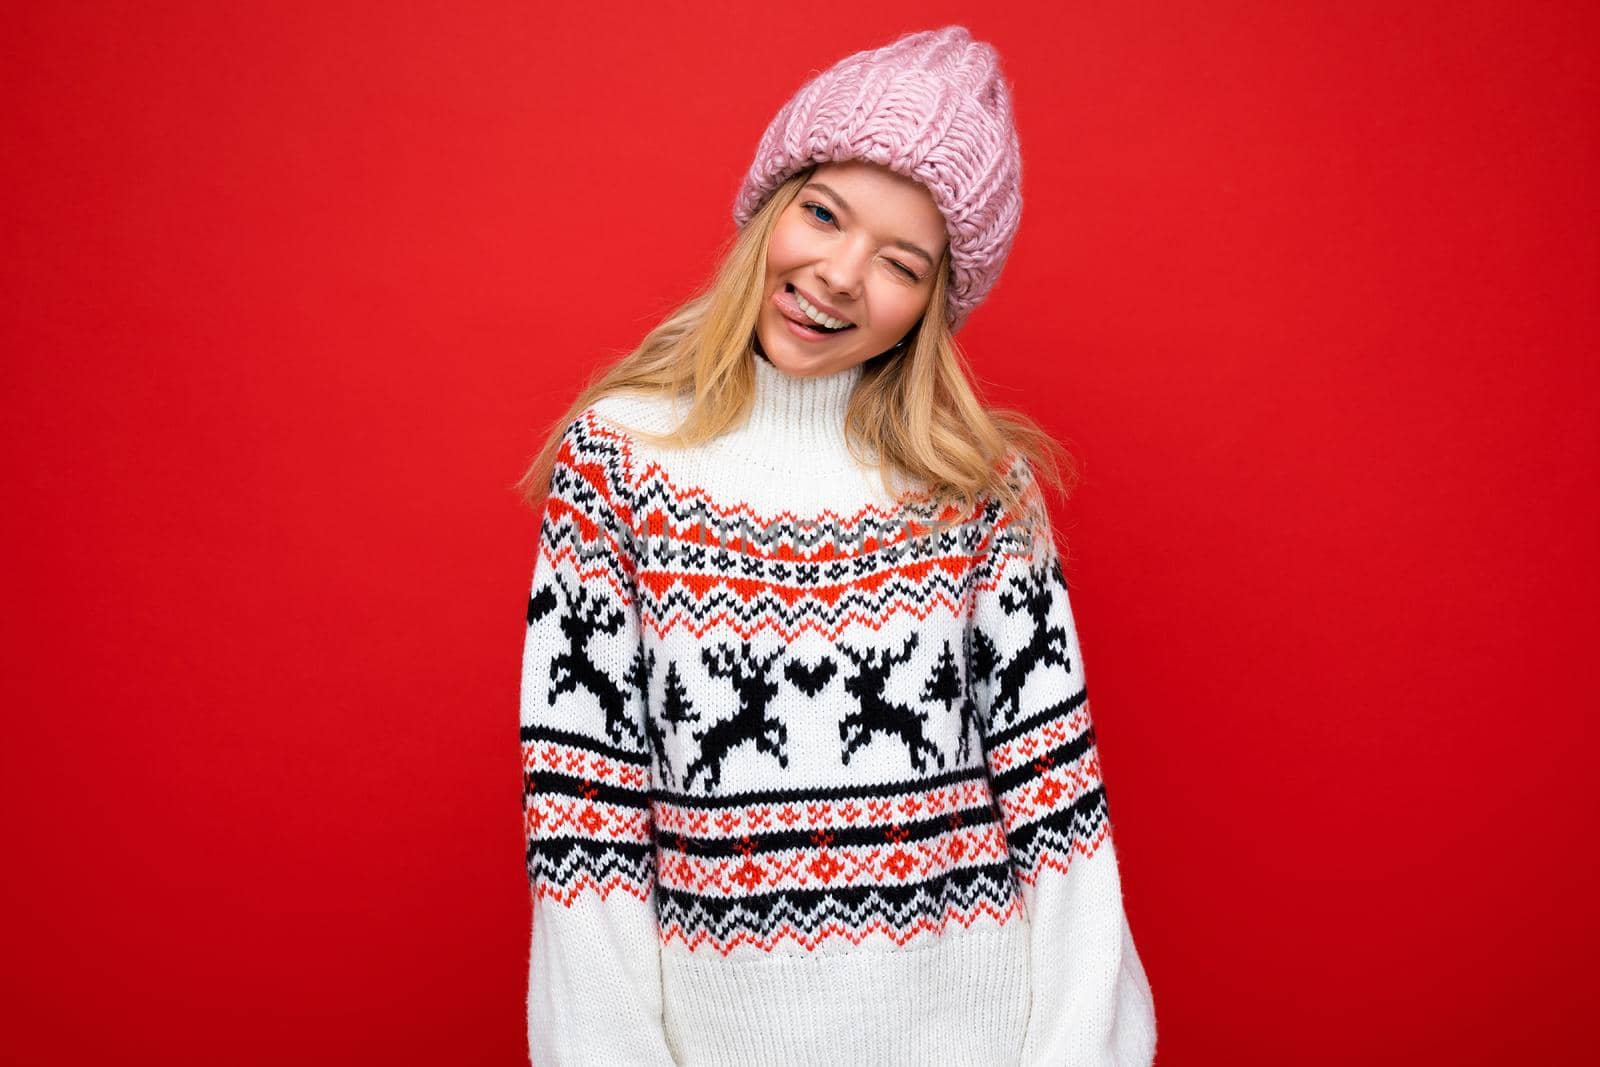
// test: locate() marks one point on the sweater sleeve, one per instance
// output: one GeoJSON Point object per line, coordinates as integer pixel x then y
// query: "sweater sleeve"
{"type": "Point", "coordinates": [1091, 1001]}
{"type": "Point", "coordinates": [594, 972]}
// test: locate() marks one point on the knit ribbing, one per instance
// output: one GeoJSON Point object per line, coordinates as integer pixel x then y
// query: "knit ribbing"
{"type": "Point", "coordinates": [790, 454]}
{"type": "Point", "coordinates": [796, 429]}
{"type": "Point", "coordinates": [800, 420]}
{"type": "Point", "coordinates": [722, 1013]}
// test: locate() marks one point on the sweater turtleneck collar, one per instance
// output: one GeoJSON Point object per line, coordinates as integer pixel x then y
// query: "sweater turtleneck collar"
{"type": "Point", "coordinates": [798, 423]}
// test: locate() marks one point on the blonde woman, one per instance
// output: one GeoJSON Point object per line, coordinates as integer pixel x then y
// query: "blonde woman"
{"type": "Point", "coordinates": [809, 770]}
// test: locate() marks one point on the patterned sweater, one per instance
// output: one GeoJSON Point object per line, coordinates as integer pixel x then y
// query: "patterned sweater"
{"type": "Point", "coordinates": [809, 775]}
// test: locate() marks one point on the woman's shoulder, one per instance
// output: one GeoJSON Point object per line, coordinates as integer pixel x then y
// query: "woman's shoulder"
{"type": "Point", "coordinates": [614, 422]}
{"type": "Point", "coordinates": [630, 412]}
{"type": "Point", "coordinates": [605, 435]}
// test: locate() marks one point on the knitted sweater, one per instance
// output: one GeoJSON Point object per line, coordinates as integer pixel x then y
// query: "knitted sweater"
{"type": "Point", "coordinates": [809, 776]}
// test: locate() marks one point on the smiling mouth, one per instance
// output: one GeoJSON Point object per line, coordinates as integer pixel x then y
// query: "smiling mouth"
{"type": "Point", "coordinates": [808, 323]}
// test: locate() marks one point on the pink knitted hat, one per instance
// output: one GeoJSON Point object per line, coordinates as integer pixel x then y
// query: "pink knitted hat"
{"type": "Point", "coordinates": [932, 106]}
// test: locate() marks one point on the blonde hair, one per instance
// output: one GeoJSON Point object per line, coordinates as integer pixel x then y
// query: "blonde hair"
{"type": "Point", "coordinates": [915, 407]}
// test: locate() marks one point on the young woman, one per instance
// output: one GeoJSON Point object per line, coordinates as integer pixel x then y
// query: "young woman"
{"type": "Point", "coordinates": [809, 770]}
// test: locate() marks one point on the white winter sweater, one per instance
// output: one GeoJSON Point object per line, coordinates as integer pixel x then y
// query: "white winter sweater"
{"type": "Point", "coordinates": [809, 776]}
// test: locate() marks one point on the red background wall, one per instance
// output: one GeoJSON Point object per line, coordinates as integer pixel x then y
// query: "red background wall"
{"type": "Point", "coordinates": [291, 290]}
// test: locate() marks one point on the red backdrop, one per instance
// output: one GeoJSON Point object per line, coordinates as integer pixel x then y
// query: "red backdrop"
{"type": "Point", "coordinates": [291, 291]}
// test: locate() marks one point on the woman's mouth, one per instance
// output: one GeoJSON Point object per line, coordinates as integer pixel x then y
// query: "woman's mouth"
{"type": "Point", "coordinates": [802, 324]}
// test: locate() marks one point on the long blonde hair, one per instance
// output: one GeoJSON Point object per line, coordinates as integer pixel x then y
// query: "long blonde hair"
{"type": "Point", "coordinates": [915, 408]}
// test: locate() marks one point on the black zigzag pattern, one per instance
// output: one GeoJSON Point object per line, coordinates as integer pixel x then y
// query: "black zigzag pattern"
{"type": "Point", "coordinates": [806, 916]}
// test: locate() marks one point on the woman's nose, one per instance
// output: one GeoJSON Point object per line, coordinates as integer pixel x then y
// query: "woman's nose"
{"type": "Point", "coordinates": [842, 274]}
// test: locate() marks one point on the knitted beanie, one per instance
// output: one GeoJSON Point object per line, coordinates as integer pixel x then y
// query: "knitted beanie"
{"type": "Point", "coordinates": [932, 106]}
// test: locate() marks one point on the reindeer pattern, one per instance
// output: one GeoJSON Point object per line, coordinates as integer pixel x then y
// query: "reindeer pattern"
{"type": "Point", "coordinates": [1038, 601]}
{"type": "Point", "coordinates": [577, 664]}
{"type": "Point", "coordinates": [891, 699]}
{"type": "Point", "coordinates": [734, 714]}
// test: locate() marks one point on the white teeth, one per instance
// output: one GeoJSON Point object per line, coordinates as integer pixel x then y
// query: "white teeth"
{"type": "Point", "coordinates": [816, 316]}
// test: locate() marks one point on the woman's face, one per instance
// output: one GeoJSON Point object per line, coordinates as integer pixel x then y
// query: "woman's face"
{"type": "Point", "coordinates": [859, 244]}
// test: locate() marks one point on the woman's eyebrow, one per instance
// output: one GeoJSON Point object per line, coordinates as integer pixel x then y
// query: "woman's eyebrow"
{"type": "Point", "coordinates": [907, 245]}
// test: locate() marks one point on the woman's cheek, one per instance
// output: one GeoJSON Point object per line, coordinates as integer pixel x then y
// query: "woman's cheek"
{"type": "Point", "coordinates": [786, 245]}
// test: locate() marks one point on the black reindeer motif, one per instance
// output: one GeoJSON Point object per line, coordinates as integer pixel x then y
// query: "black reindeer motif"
{"type": "Point", "coordinates": [585, 617]}
{"type": "Point", "coordinates": [1046, 644]}
{"type": "Point", "coordinates": [750, 723]}
{"type": "Point", "coordinates": [878, 715]}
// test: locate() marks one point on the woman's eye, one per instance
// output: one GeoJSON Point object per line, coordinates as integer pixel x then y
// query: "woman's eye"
{"type": "Point", "coordinates": [815, 207]}
{"type": "Point", "coordinates": [822, 209]}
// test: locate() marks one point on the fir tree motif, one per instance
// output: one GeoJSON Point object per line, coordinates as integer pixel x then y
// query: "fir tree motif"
{"type": "Point", "coordinates": [639, 675]}
{"type": "Point", "coordinates": [982, 657]}
{"type": "Point", "coordinates": [944, 682]}
{"type": "Point", "coordinates": [947, 685]}
{"type": "Point", "coordinates": [676, 706]}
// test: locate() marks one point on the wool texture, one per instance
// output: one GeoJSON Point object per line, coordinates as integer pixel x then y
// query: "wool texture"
{"type": "Point", "coordinates": [809, 773]}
